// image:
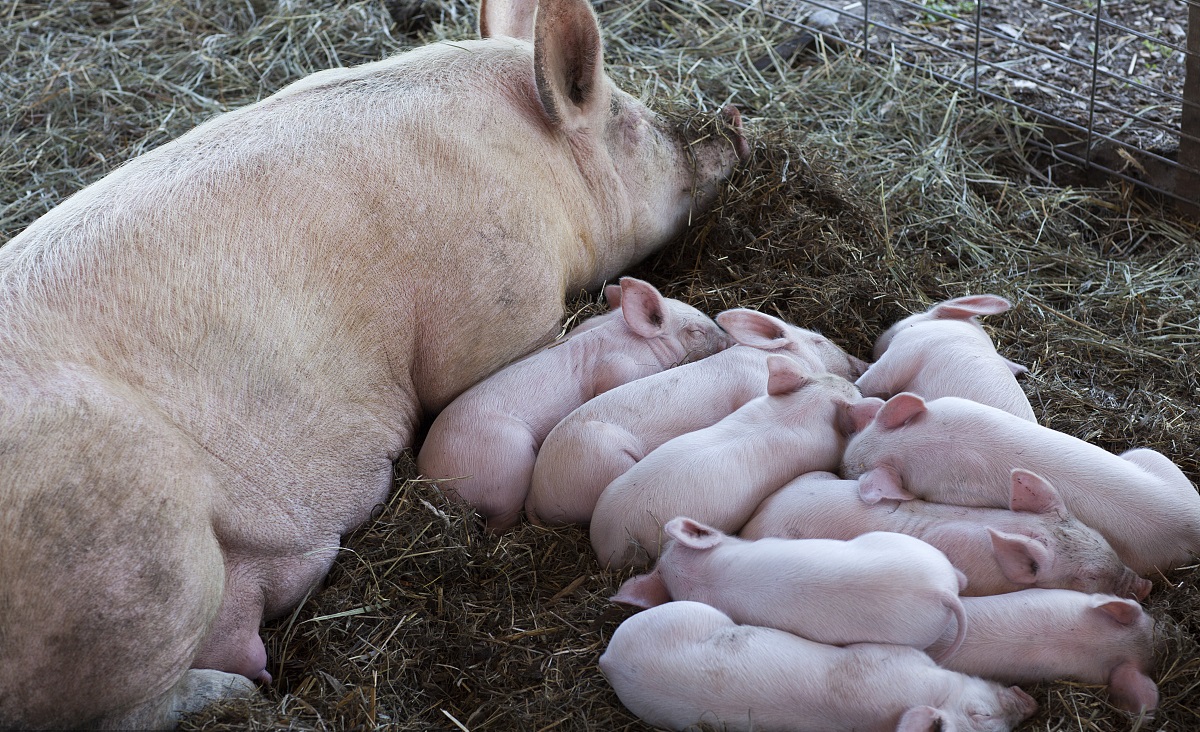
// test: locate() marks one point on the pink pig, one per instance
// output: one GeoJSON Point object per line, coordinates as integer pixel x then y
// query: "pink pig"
{"type": "Point", "coordinates": [944, 351]}
{"type": "Point", "coordinates": [1038, 543]}
{"type": "Point", "coordinates": [605, 437]}
{"type": "Point", "coordinates": [1043, 635]}
{"type": "Point", "coordinates": [488, 438]}
{"type": "Point", "coordinates": [720, 473]}
{"type": "Point", "coordinates": [876, 588]}
{"type": "Point", "coordinates": [957, 451]}
{"type": "Point", "coordinates": [683, 664]}
{"type": "Point", "coordinates": [211, 357]}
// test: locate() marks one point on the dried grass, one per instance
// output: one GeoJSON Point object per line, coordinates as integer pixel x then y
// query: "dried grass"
{"type": "Point", "coordinates": [872, 193]}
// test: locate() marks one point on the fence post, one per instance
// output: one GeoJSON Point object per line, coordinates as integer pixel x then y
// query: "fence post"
{"type": "Point", "coordinates": [1187, 177]}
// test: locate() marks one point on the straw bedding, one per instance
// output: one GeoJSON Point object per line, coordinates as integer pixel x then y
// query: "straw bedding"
{"type": "Point", "coordinates": [872, 192]}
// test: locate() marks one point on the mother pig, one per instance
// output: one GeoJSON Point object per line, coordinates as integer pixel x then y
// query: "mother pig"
{"type": "Point", "coordinates": [210, 358]}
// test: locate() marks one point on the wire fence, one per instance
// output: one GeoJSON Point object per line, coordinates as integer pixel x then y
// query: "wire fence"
{"type": "Point", "coordinates": [1116, 85]}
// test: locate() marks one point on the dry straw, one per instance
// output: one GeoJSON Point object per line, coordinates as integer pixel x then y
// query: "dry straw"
{"type": "Point", "coordinates": [872, 192]}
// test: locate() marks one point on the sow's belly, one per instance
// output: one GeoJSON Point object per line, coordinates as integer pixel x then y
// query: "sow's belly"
{"type": "Point", "coordinates": [280, 477]}
{"type": "Point", "coordinates": [294, 480]}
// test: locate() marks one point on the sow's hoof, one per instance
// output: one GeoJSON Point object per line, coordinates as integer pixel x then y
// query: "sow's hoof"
{"type": "Point", "coordinates": [199, 688]}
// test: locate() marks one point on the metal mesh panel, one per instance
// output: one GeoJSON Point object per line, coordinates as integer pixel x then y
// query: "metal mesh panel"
{"type": "Point", "coordinates": [1121, 99]}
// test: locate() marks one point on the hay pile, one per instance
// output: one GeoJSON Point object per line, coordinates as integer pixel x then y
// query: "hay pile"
{"type": "Point", "coordinates": [871, 193]}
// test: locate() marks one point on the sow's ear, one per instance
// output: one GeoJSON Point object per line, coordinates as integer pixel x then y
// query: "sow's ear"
{"type": "Point", "coordinates": [512, 18]}
{"type": "Point", "coordinates": [568, 63]}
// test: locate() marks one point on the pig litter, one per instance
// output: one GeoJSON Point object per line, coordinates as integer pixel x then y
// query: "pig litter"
{"type": "Point", "coordinates": [872, 193]}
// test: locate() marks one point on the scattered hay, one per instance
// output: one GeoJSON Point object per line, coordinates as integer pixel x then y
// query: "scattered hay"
{"type": "Point", "coordinates": [871, 194]}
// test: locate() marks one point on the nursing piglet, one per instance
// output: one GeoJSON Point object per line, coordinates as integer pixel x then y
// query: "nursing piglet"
{"type": "Point", "coordinates": [488, 438]}
{"type": "Point", "coordinates": [684, 664]}
{"type": "Point", "coordinates": [876, 588]}
{"type": "Point", "coordinates": [719, 474]}
{"type": "Point", "coordinates": [1043, 635]}
{"type": "Point", "coordinates": [602, 439]}
{"type": "Point", "coordinates": [1038, 543]}
{"type": "Point", "coordinates": [957, 451]}
{"type": "Point", "coordinates": [944, 351]}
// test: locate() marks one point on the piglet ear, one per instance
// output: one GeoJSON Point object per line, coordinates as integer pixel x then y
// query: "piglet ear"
{"type": "Point", "coordinates": [692, 534]}
{"type": "Point", "coordinates": [858, 415]}
{"type": "Point", "coordinates": [858, 367]}
{"type": "Point", "coordinates": [1016, 368]}
{"type": "Point", "coordinates": [612, 296]}
{"type": "Point", "coordinates": [568, 63]}
{"type": "Point", "coordinates": [784, 376]}
{"type": "Point", "coordinates": [1132, 690]}
{"type": "Point", "coordinates": [923, 719]}
{"type": "Point", "coordinates": [1031, 493]}
{"type": "Point", "coordinates": [643, 307]}
{"type": "Point", "coordinates": [512, 18]}
{"type": "Point", "coordinates": [754, 329]}
{"type": "Point", "coordinates": [963, 308]}
{"type": "Point", "coordinates": [644, 591]}
{"type": "Point", "coordinates": [1020, 557]}
{"type": "Point", "coordinates": [880, 483]}
{"type": "Point", "coordinates": [1021, 702]}
{"type": "Point", "coordinates": [900, 410]}
{"type": "Point", "coordinates": [1125, 612]}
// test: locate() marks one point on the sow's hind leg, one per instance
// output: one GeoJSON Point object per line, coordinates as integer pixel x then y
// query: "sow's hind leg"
{"type": "Point", "coordinates": [195, 691]}
{"type": "Point", "coordinates": [111, 574]}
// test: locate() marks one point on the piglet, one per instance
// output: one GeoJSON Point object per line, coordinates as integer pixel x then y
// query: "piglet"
{"type": "Point", "coordinates": [604, 438]}
{"type": "Point", "coordinates": [957, 451]}
{"type": "Point", "coordinates": [1044, 635]}
{"type": "Point", "coordinates": [718, 475]}
{"type": "Point", "coordinates": [488, 438]}
{"type": "Point", "coordinates": [684, 664]}
{"type": "Point", "coordinates": [1038, 543]}
{"type": "Point", "coordinates": [877, 588]}
{"type": "Point", "coordinates": [944, 351]}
